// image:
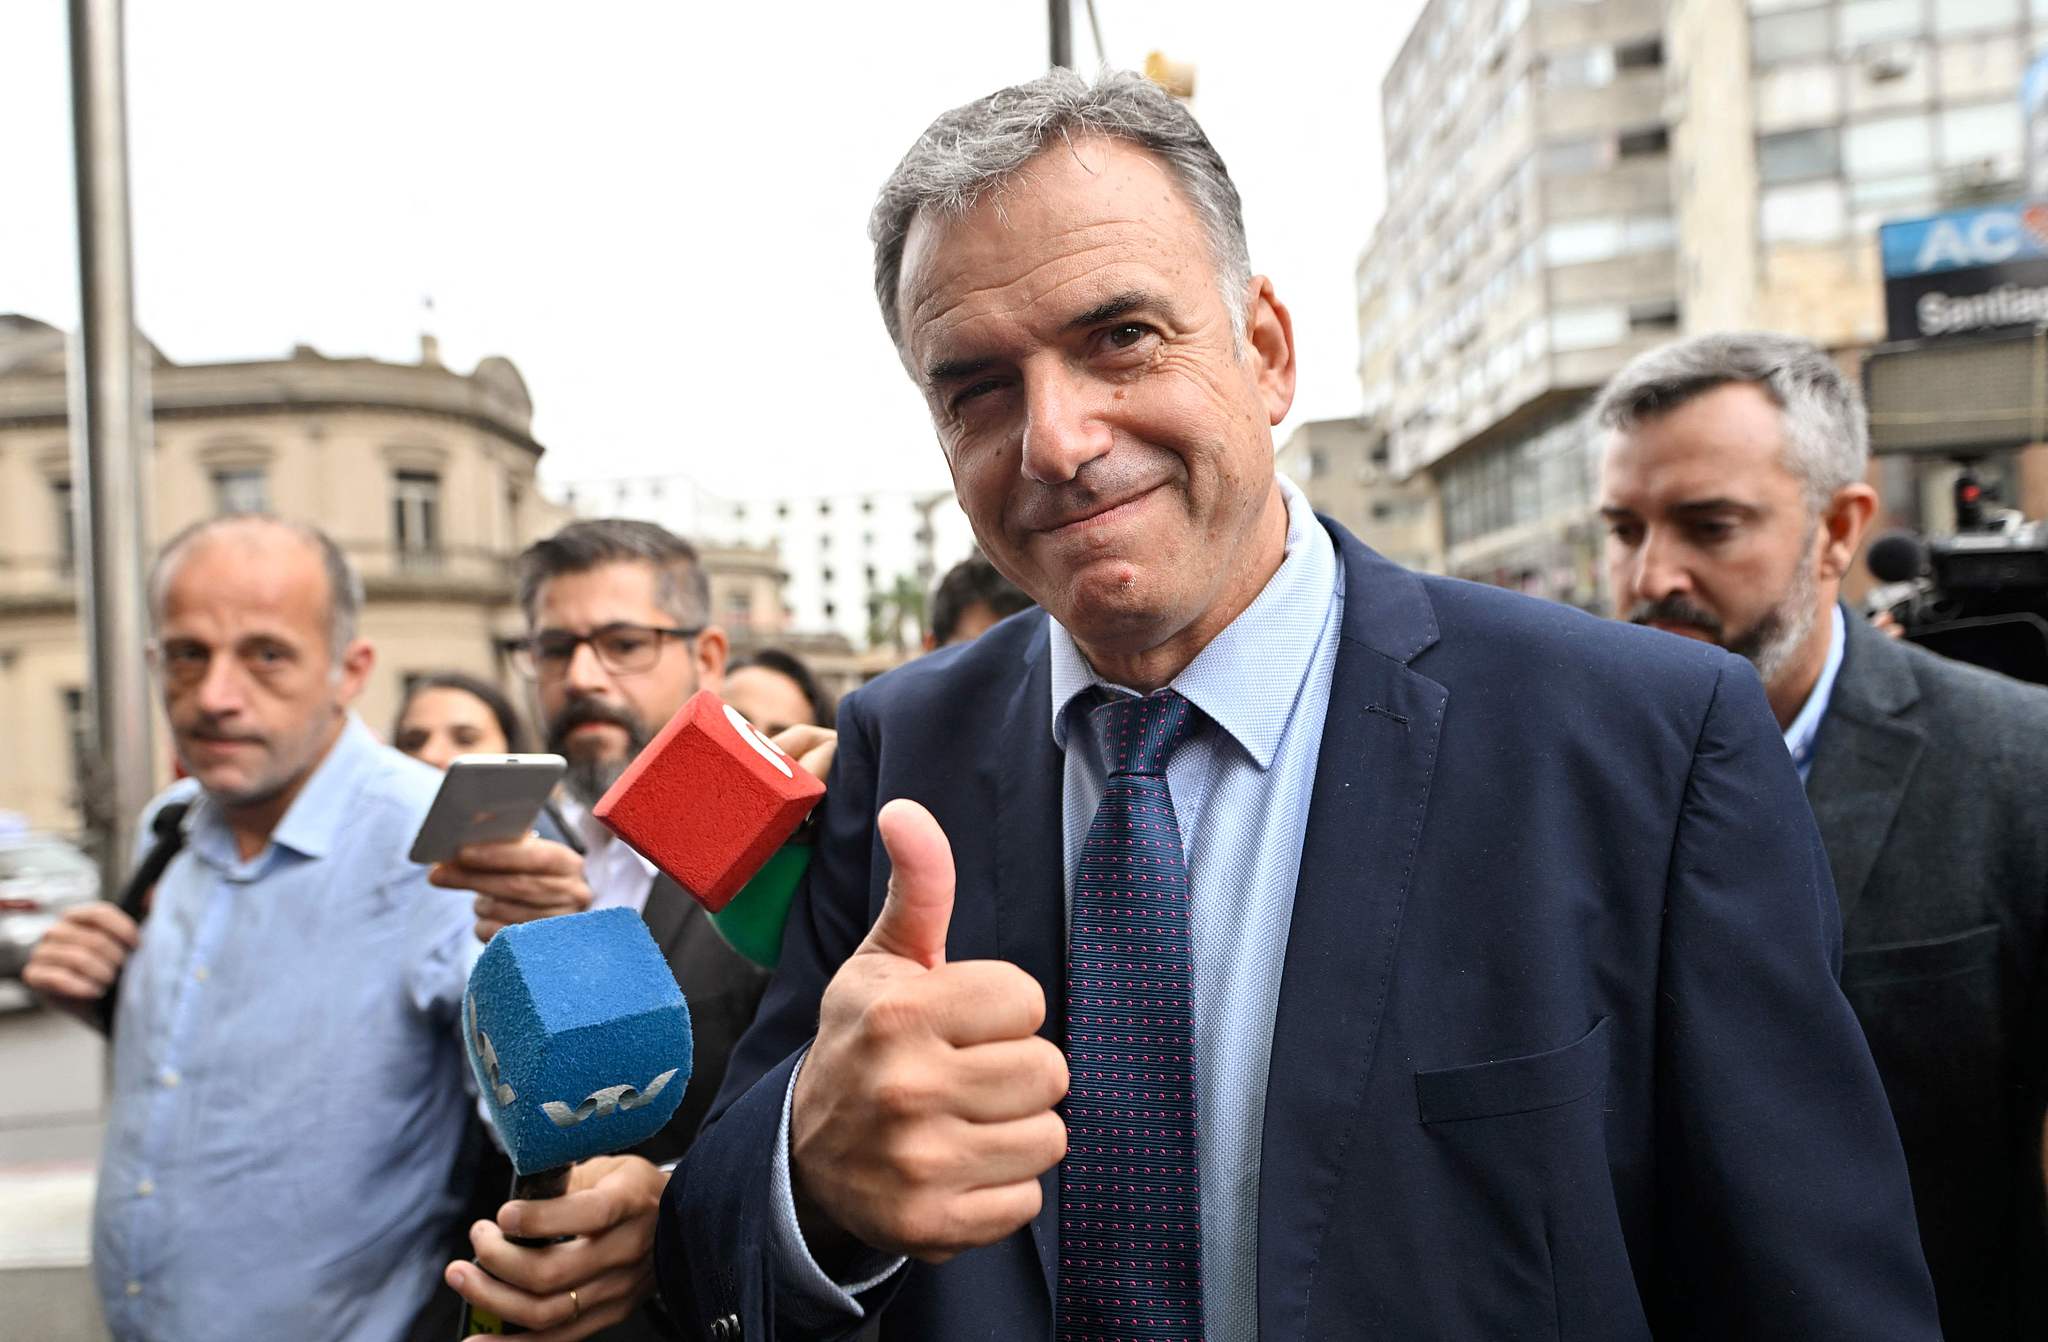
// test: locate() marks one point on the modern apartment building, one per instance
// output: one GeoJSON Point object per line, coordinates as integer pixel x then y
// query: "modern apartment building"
{"type": "Point", "coordinates": [1573, 181]}
{"type": "Point", "coordinates": [1341, 464]}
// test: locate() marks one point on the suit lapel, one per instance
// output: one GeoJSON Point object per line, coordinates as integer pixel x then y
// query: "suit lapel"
{"type": "Point", "coordinates": [1372, 786]}
{"type": "Point", "coordinates": [1024, 779]}
{"type": "Point", "coordinates": [1864, 757]}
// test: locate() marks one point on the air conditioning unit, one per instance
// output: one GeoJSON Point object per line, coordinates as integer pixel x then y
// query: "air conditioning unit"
{"type": "Point", "coordinates": [1889, 60]}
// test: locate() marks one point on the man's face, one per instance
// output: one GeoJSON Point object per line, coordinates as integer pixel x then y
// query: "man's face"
{"type": "Point", "coordinates": [253, 695]}
{"type": "Point", "coordinates": [1108, 441]}
{"type": "Point", "coordinates": [1708, 532]}
{"type": "Point", "coordinates": [597, 718]}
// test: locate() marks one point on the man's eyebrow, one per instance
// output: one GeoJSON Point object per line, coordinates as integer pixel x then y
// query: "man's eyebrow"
{"type": "Point", "coordinates": [1614, 513]}
{"type": "Point", "coordinates": [1109, 309]}
{"type": "Point", "coordinates": [1717, 505]}
{"type": "Point", "coordinates": [952, 370]}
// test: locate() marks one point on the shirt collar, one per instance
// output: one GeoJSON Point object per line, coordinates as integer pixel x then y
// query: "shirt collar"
{"type": "Point", "coordinates": [598, 840]}
{"type": "Point", "coordinates": [1800, 734]}
{"type": "Point", "coordinates": [1248, 679]}
{"type": "Point", "coordinates": [316, 815]}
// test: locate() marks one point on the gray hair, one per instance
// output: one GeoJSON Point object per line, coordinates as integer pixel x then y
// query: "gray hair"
{"type": "Point", "coordinates": [977, 149]}
{"type": "Point", "coordinates": [680, 589]}
{"type": "Point", "coordinates": [344, 584]}
{"type": "Point", "coordinates": [1827, 441]}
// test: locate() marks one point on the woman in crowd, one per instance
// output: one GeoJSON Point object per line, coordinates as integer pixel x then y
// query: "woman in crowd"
{"type": "Point", "coordinates": [450, 714]}
{"type": "Point", "coordinates": [774, 689]}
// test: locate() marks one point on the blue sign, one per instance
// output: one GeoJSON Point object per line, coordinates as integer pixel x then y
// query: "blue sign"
{"type": "Point", "coordinates": [1986, 235]}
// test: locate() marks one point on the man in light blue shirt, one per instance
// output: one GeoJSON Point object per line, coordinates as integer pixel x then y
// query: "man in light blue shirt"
{"type": "Point", "coordinates": [287, 1085]}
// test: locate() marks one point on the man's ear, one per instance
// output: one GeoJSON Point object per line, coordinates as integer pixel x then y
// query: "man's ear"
{"type": "Point", "coordinates": [713, 648]}
{"type": "Point", "coordinates": [1269, 336]}
{"type": "Point", "coordinates": [1843, 524]}
{"type": "Point", "coordinates": [353, 671]}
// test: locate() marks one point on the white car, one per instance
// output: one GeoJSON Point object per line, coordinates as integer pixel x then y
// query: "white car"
{"type": "Point", "coordinates": [40, 877]}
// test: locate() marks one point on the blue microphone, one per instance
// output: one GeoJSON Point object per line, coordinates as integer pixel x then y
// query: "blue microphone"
{"type": "Point", "coordinates": [580, 1042]}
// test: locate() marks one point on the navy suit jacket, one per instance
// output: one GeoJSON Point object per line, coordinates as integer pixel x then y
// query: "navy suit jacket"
{"type": "Point", "coordinates": [1559, 1050]}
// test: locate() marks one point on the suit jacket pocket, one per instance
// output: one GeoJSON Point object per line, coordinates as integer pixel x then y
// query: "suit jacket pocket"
{"type": "Point", "coordinates": [1917, 961]}
{"type": "Point", "coordinates": [1515, 1085]}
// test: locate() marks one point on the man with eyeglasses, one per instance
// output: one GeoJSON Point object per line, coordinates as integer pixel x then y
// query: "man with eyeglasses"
{"type": "Point", "coordinates": [618, 638]}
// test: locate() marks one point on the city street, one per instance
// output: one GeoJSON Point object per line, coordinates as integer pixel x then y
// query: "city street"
{"type": "Point", "coordinates": [52, 1080]}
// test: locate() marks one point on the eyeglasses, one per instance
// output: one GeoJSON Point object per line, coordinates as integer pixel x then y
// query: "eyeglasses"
{"type": "Point", "coordinates": [622, 649]}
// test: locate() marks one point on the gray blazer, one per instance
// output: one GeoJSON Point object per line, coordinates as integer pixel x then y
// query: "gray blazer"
{"type": "Point", "coordinates": [1930, 783]}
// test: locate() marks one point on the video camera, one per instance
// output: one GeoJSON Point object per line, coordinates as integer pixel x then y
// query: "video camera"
{"type": "Point", "coordinates": [1979, 596]}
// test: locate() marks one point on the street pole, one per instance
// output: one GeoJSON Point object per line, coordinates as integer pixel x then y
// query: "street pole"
{"type": "Point", "coordinates": [1060, 21]}
{"type": "Point", "coordinates": [113, 435]}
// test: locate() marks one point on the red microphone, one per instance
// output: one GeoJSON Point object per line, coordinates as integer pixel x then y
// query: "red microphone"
{"type": "Point", "coordinates": [709, 800]}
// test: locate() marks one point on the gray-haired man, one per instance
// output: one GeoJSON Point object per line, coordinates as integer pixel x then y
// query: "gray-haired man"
{"type": "Point", "coordinates": [1261, 940]}
{"type": "Point", "coordinates": [1733, 490]}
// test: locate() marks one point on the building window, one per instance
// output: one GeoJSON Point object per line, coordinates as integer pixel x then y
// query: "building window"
{"type": "Point", "coordinates": [1986, 135]}
{"type": "Point", "coordinates": [1645, 54]}
{"type": "Point", "coordinates": [1789, 156]}
{"type": "Point", "coordinates": [1889, 146]}
{"type": "Point", "coordinates": [240, 490]}
{"type": "Point", "coordinates": [825, 575]}
{"type": "Point", "coordinates": [1964, 16]}
{"type": "Point", "coordinates": [1813, 212]}
{"type": "Point", "coordinates": [1644, 142]}
{"type": "Point", "coordinates": [781, 512]}
{"type": "Point", "coordinates": [416, 514]}
{"type": "Point", "coordinates": [1879, 20]}
{"type": "Point", "coordinates": [1658, 316]}
{"type": "Point", "coordinates": [1587, 153]}
{"type": "Point", "coordinates": [1587, 328]}
{"type": "Point", "coordinates": [824, 507]}
{"type": "Point", "coordinates": [1787, 37]}
{"type": "Point", "coordinates": [66, 526]}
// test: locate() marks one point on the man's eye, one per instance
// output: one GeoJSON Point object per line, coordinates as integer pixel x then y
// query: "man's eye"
{"type": "Point", "coordinates": [1628, 533]}
{"type": "Point", "coordinates": [981, 388]}
{"type": "Point", "coordinates": [624, 645]}
{"type": "Point", "coordinates": [1712, 531]}
{"type": "Point", "coordinates": [1127, 335]}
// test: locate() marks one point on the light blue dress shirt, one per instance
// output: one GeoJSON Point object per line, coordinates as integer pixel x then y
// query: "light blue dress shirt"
{"type": "Point", "coordinates": [1241, 790]}
{"type": "Point", "coordinates": [1804, 729]}
{"type": "Point", "coordinates": [288, 1080]}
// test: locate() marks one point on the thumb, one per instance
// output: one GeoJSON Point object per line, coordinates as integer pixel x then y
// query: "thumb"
{"type": "Point", "coordinates": [919, 904]}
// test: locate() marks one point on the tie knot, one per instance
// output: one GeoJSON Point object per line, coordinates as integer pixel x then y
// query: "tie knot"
{"type": "Point", "coordinates": [1136, 735]}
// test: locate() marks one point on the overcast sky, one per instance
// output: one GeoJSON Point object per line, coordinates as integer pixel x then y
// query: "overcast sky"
{"type": "Point", "coordinates": [657, 211]}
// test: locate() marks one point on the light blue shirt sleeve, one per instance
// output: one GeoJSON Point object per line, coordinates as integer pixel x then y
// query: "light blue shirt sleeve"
{"type": "Point", "coordinates": [810, 1299]}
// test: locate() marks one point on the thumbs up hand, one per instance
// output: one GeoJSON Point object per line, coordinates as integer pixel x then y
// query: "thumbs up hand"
{"type": "Point", "coordinates": [923, 1115]}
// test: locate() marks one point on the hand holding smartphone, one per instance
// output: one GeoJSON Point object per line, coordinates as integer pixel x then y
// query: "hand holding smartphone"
{"type": "Point", "coordinates": [485, 799]}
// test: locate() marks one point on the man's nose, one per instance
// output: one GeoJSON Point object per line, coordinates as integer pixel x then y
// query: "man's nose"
{"type": "Point", "coordinates": [1063, 428]}
{"type": "Point", "coordinates": [586, 675]}
{"type": "Point", "coordinates": [1659, 568]}
{"type": "Point", "coordinates": [221, 689]}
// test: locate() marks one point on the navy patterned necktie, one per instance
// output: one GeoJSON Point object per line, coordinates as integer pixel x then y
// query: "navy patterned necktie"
{"type": "Point", "coordinates": [1130, 1200]}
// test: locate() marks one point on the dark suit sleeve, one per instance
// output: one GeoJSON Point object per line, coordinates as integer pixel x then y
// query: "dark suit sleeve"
{"type": "Point", "coordinates": [713, 1253]}
{"type": "Point", "coordinates": [1784, 1210]}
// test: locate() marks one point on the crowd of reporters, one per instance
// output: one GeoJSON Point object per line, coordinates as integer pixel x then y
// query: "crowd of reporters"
{"type": "Point", "coordinates": [291, 1135]}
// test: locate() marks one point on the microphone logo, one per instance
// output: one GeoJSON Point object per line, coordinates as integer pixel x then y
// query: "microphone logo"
{"type": "Point", "coordinates": [600, 1103]}
{"type": "Point", "coordinates": [489, 1057]}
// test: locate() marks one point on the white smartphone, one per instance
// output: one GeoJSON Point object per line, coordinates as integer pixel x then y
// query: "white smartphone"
{"type": "Point", "coordinates": [486, 799]}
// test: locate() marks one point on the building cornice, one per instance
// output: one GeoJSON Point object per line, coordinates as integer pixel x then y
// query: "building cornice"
{"type": "Point", "coordinates": [304, 385]}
